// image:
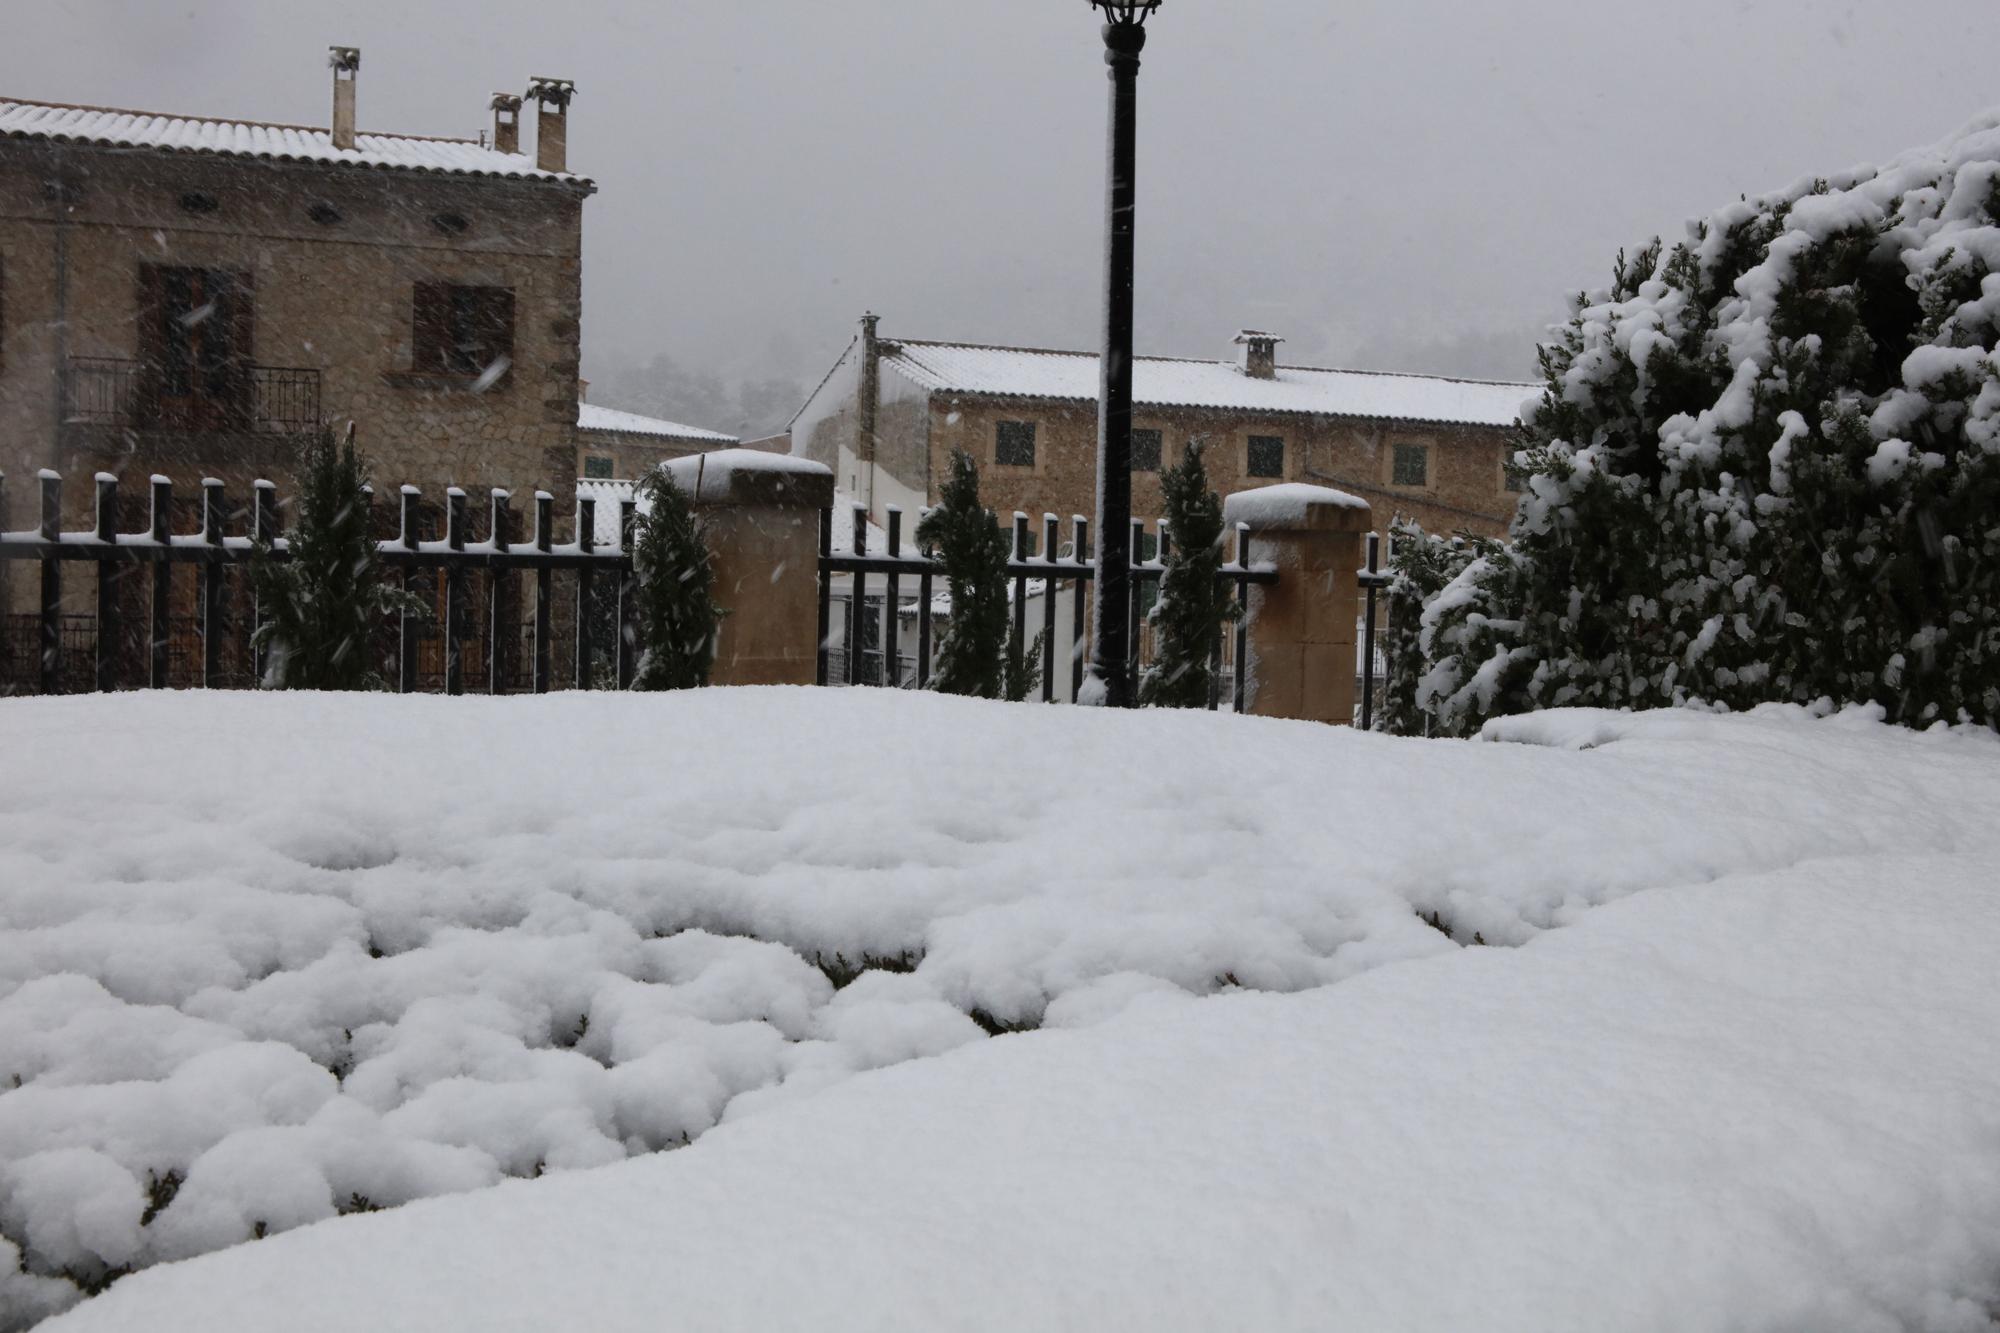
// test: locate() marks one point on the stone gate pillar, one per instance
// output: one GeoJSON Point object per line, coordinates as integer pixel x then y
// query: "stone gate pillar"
{"type": "Point", "coordinates": [762, 514]}
{"type": "Point", "coordinates": [1301, 628]}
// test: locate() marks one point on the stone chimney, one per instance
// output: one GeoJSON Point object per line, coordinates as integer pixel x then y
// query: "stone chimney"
{"type": "Point", "coordinates": [346, 62]}
{"type": "Point", "coordinates": [506, 123]}
{"type": "Point", "coordinates": [1257, 354]}
{"type": "Point", "coordinates": [552, 121]}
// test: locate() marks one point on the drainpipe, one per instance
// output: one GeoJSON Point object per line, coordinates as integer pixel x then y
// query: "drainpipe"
{"type": "Point", "coordinates": [60, 193]}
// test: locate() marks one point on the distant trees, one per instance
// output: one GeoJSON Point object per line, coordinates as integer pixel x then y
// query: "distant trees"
{"type": "Point", "coordinates": [664, 388]}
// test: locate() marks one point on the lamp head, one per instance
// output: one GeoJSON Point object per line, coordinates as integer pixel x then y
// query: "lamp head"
{"type": "Point", "coordinates": [1131, 13]}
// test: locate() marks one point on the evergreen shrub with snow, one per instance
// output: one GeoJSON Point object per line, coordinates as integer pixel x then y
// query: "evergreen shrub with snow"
{"type": "Point", "coordinates": [1193, 604]}
{"type": "Point", "coordinates": [323, 604]}
{"type": "Point", "coordinates": [675, 581]}
{"type": "Point", "coordinates": [1765, 466]}
{"type": "Point", "coordinates": [974, 656]}
{"type": "Point", "coordinates": [1422, 564]}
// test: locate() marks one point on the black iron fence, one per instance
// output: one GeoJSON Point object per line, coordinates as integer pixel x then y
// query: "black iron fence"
{"type": "Point", "coordinates": [110, 391]}
{"type": "Point", "coordinates": [869, 650]}
{"type": "Point", "coordinates": [495, 627]}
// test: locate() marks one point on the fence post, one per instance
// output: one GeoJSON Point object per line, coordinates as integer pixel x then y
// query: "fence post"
{"type": "Point", "coordinates": [109, 577]}
{"type": "Point", "coordinates": [1080, 543]}
{"type": "Point", "coordinates": [161, 630]}
{"type": "Point", "coordinates": [825, 596]}
{"type": "Point", "coordinates": [1368, 636]}
{"type": "Point", "coordinates": [1049, 543]}
{"type": "Point", "coordinates": [408, 622]}
{"type": "Point", "coordinates": [264, 533]}
{"type": "Point", "coordinates": [857, 601]}
{"type": "Point", "coordinates": [1299, 631]}
{"type": "Point", "coordinates": [892, 605]}
{"type": "Point", "coordinates": [212, 500]}
{"type": "Point", "coordinates": [761, 513]}
{"type": "Point", "coordinates": [545, 508]}
{"type": "Point", "coordinates": [454, 592]}
{"type": "Point", "coordinates": [496, 588]}
{"type": "Point", "coordinates": [586, 542]}
{"type": "Point", "coordinates": [51, 609]}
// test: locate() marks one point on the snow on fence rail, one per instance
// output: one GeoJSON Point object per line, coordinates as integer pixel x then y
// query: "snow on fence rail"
{"type": "Point", "coordinates": [446, 568]}
{"type": "Point", "coordinates": [860, 644]}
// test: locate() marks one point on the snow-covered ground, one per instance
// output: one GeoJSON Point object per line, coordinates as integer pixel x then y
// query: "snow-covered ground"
{"type": "Point", "coordinates": [317, 954]}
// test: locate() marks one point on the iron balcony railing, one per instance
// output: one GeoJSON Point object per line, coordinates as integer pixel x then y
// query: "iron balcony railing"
{"type": "Point", "coordinates": [111, 391]}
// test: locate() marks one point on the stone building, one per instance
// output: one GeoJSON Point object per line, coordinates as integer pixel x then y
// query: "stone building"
{"type": "Point", "coordinates": [186, 296]}
{"type": "Point", "coordinates": [891, 411]}
{"type": "Point", "coordinates": [624, 446]}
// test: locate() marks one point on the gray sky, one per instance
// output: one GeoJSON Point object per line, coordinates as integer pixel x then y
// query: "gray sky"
{"type": "Point", "coordinates": [1410, 184]}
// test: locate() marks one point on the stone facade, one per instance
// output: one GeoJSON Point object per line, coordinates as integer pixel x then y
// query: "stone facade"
{"type": "Point", "coordinates": [1465, 483]}
{"type": "Point", "coordinates": [329, 259]}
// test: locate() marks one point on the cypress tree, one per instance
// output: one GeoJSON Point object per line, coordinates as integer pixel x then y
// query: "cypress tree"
{"type": "Point", "coordinates": [1192, 605]}
{"type": "Point", "coordinates": [324, 603]}
{"type": "Point", "coordinates": [675, 580]}
{"type": "Point", "coordinates": [973, 656]}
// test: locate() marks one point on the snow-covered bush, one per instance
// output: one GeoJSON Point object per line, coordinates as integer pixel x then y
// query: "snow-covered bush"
{"type": "Point", "coordinates": [1421, 564]}
{"type": "Point", "coordinates": [1766, 466]}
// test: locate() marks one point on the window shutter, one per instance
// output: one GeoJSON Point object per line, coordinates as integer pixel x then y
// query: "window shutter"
{"type": "Point", "coordinates": [430, 326]}
{"type": "Point", "coordinates": [496, 334]}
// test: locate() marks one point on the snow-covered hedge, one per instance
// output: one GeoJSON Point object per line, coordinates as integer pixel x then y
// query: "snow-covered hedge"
{"type": "Point", "coordinates": [1766, 467]}
{"type": "Point", "coordinates": [267, 959]}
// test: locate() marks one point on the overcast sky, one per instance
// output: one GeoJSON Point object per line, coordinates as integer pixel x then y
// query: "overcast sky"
{"type": "Point", "coordinates": [1404, 183]}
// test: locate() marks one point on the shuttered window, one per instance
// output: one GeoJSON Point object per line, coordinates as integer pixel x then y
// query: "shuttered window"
{"type": "Point", "coordinates": [1146, 446]}
{"type": "Point", "coordinates": [1014, 444]}
{"type": "Point", "coordinates": [1266, 456]}
{"type": "Point", "coordinates": [461, 330]}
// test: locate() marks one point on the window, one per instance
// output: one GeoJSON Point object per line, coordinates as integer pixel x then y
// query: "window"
{"type": "Point", "coordinates": [1014, 444]}
{"type": "Point", "coordinates": [194, 347]}
{"type": "Point", "coordinates": [1266, 456]}
{"type": "Point", "coordinates": [597, 468]}
{"type": "Point", "coordinates": [1031, 543]}
{"type": "Point", "coordinates": [462, 330]}
{"type": "Point", "coordinates": [1412, 466]}
{"type": "Point", "coordinates": [325, 214]}
{"type": "Point", "coordinates": [1146, 450]}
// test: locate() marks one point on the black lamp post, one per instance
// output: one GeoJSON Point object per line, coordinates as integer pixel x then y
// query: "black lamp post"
{"type": "Point", "coordinates": [1112, 629]}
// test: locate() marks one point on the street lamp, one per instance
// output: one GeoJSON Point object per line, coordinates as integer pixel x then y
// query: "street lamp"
{"type": "Point", "coordinates": [1111, 640]}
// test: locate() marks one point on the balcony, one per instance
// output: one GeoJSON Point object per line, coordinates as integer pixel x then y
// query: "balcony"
{"type": "Point", "coordinates": [241, 399]}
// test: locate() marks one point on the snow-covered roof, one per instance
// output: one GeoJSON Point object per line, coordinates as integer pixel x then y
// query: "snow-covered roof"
{"type": "Point", "coordinates": [1025, 372]}
{"type": "Point", "coordinates": [108, 127]}
{"type": "Point", "coordinates": [589, 416]}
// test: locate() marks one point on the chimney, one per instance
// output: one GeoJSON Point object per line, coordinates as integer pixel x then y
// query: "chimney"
{"type": "Point", "coordinates": [1259, 355]}
{"type": "Point", "coordinates": [552, 121]}
{"type": "Point", "coordinates": [506, 123]}
{"type": "Point", "coordinates": [346, 62]}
